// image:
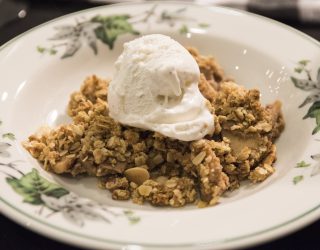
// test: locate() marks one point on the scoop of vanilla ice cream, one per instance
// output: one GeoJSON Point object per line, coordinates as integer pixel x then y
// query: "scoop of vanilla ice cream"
{"type": "Point", "coordinates": [155, 87]}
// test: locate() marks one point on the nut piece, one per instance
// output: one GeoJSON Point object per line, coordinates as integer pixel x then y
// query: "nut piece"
{"type": "Point", "coordinates": [137, 175]}
{"type": "Point", "coordinates": [144, 190]}
{"type": "Point", "coordinates": [171, 183]}
{"type": "Point", "coordinates": [62, 166]}
{"type": "Point", "coordinates": [202, 204]}
{"type": "Point", "coordinates": [162, 179]}
{"type": "Point", "coordinates": [199, 158]}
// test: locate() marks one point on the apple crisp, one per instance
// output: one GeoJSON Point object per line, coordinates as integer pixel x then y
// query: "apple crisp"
{"type": "Point", "coordinates": [144, 165]}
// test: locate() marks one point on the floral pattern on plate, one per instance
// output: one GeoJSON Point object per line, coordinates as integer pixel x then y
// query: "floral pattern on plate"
{"type": "Point", "coordinates": [106, 29]}
{"type": "Point", "coordinates": [308, 84]}
{"type": "Point", "coordinates": [52, 198]}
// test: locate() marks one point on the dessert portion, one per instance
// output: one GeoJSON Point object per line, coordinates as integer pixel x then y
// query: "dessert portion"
{"type": "Point", "coordinates": [145, 164]}
{"type": "Point", "coordinates": [155, 87]}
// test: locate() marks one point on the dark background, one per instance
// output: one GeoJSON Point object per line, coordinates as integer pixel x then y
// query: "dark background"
{"type": "Point", "coordinates": [14, 236]}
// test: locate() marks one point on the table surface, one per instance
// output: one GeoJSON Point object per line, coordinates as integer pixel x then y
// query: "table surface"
{"type": "Point", "coordinates": [13, 236]}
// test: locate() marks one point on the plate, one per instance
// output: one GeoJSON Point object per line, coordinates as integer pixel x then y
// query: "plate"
{"type": "Point", "coordinates": [40, 68]}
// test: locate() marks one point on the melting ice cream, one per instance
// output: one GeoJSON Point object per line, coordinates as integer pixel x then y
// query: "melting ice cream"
{"type": "Point", "coordinates": [155, 87]}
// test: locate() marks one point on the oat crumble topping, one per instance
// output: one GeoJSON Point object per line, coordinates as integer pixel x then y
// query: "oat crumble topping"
{"type": "Point", "coordinates": [145, 166]}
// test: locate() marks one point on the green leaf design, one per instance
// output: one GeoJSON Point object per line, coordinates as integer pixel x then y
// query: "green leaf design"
{"type": "Point", "coordinates": [52, 51]}
{"type": "Point", "coordinates": [203, 25]}
{"type": "Point", "coordinates": [297, 179]}
{"type": "Point", "coordinates": [111, 27]}
{"type": "Point", "coordinates": [302, 164]}
{"type": "Point", "coordinates": [313, 110]}
{"type": "Point", "coordinates": [184, 29]}
{"type": "Point", "coordinates": [32, 185]}
{"type": "Point", "coordinates": [317, 116]}
{"type": "Point", "coordinates": [304, 62]}
{"type": "Point", "coordinates": [10, 136]}
{"type": "Point", "coordinates": [304, 84]}
{"type": "Point", "coordinates": [133, 219]}
{"type": "Point", "coordinates": [312, 86]}
{"type": "Point", "coordinates": [56, 192]}
{"type": "Point", "coordinates": [316, 129]}
{"type": "Point", "coordinates": [41, 49]}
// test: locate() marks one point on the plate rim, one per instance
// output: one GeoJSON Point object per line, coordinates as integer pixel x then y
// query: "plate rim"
{"type": "Point", "coordinates": [250, 239]}
{"type": "Point", "coordinates": [308, 215]}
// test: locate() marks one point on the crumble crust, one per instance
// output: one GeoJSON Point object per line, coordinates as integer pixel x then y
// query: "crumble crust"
{"type": "Point", "coordinates": [147, 166]}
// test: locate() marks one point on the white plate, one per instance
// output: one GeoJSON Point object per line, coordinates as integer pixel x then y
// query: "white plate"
{"type": "Point", "coordinates": [35, 86]}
